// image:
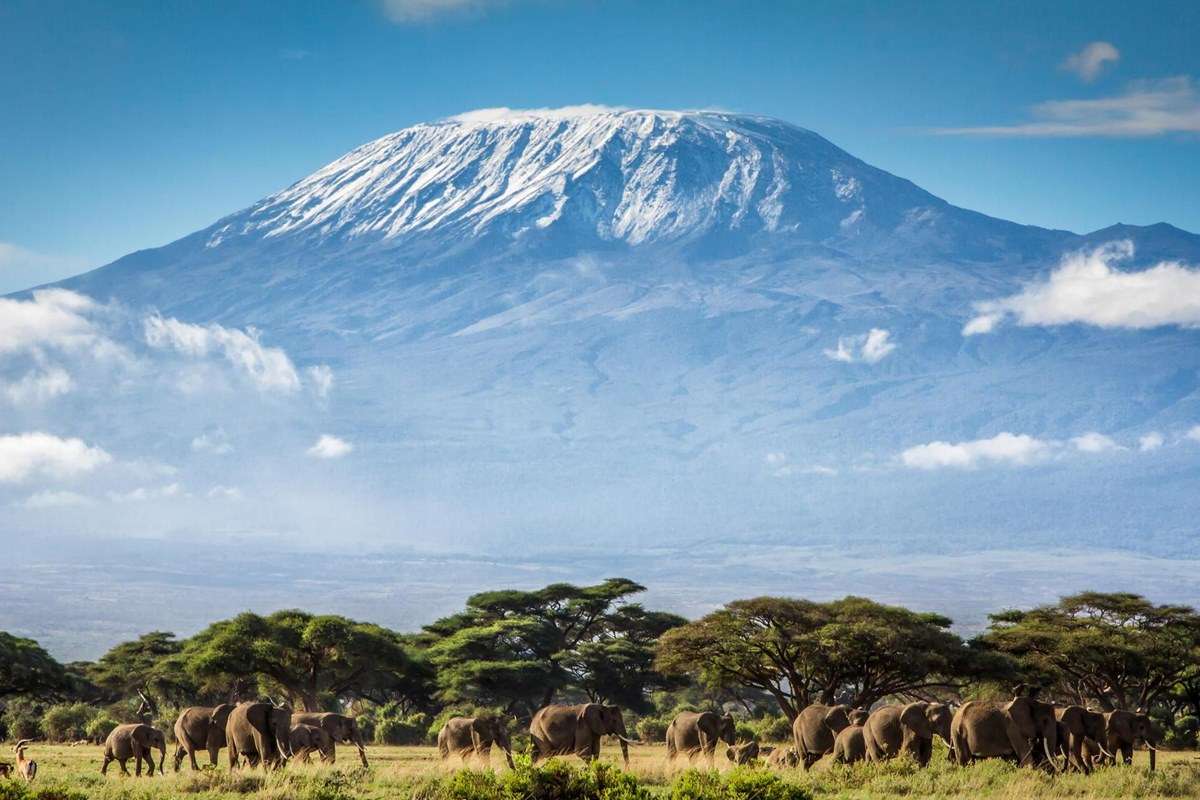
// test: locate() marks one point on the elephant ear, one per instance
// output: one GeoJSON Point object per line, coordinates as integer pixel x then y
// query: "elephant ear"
{"type": "Point", "coordinates": [592, 716]}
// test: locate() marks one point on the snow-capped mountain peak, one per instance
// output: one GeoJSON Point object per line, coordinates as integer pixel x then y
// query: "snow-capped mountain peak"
{"type": "Point", "coordinates": [615, 175]}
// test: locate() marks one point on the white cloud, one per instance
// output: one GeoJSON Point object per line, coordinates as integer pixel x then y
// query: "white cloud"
{"type": "Point", "coordinates": [269, 368]}
{"type": "Point", "coordinates": [486, 116]}
{"type": "Point", "coordinates": [53, 499]}
{"type": "Point", "coordinates": [143, 493]}
{"type": "Point", "coordinates": [1146, 108]}
{"type": "Point", "coordinates": [321, 378]}
{"type": "Point", "coordinates": [38, 387]}
{"type": "Point", "coordinates": [330, 447]}
{"type": "Point", "coordinates": [1003, 448]}
{"type": "Point", "coordinates": [1194, 434]}
{"type": "Point", "coordinates": [1093, 442]}
{"type": "Point", "coordinates": [409, 11]}
{"type": "Point", "coordinates": [1151, 441]}
{"type": "Point", "coordinates": [820, 469]}
{"type": "Point", "coordinates": [225, 493]}
{"type": "Point", "coordinates": [1089, 62]}
{"type": "Point", "coordinates": [1086, 288]}
{"type": "Point", "coordinates": [215, 442]}
{"type": "Point", "coordinates": [26, 455]}
{"type": "Point", "coordinates": [51, 318]}
{"type": "Point", "coordinates": [775, 459]}
{"type": "Point", "coordinates": [871, 347]}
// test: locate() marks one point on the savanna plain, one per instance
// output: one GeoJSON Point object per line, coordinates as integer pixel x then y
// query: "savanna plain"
{"type": "Point", "coordinates": [417, 772]}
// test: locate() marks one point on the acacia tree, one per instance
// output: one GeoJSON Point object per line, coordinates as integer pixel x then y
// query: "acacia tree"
{"type": "Point", "coordinates": [517, 650]}
{"type": "Point", "coordinates": [1118, 649]}
{"type": "Point", "coordinates": [313, 659]}
{"type": "Point", "coordinates": [26, 668]}
{"type": "Point", "coordinates": [799, 651]}
{"type": "Point", "coordinates": [134, 668]}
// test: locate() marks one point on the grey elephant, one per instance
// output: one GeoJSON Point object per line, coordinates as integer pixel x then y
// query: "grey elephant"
{"type": "Point", "coordinates": [986, 729]}
{"type": "Point", "coordinates": [783, 758]}
{"type": "Point", "coordinates": [849, 746]}
{"type": "Point", "coordinates": [200, 728]}
{"type": "Point", "coordinates": [137, 741]}
{"type": "Point", "coordinates": [694, 733]}
{"type": "Point", "coordinates": [1123, 730]}
{"type": "Point", "coordinates": [474, 736]}
{"type": "Point", "coordinates": [259, 733]}
{"type": "Point", "coordinates": [744, 753]}
{"type": "Point", "coordinates": [1076, 727]}
{"type": "Point", "coordinates": [910, 728]}
{"type": "Point", "coordinates": [564, 730]}
{"type": "Point", "coordinates": [340, 728]}
{"type": "Point", "coordinates": [304, 740]}
{"type": "Point", "coordinates": [815, 729]}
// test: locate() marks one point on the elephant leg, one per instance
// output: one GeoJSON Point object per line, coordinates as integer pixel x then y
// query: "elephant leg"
{"type": "Point", "coordinates": [124, 769]}
{"type": "Point", "coordinates": [1076, 753]}
{"type": "Point", "coordinates": [1127, 753]}
{"type": "Point", "coordinates": [137, 763]}
{"type": "Point", "coordinates": [233, 755]}
{"type": "Point", "coordinates": [536, 750]}
{"type": "Point", "coordinates": [180, 752]}
{"type": "Point", "coordinates": [108, 759]}
{"type": "Point", "coordinates": [214, 753]}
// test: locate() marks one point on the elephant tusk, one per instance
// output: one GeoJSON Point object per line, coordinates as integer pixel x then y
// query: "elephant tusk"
{"type": "Point", "coordinates": [1050, 758]}
{"type": "Point", "coordinates": [628, 740]}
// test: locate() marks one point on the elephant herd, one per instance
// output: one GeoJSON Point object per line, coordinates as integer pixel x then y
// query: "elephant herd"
{"type": "Point", "coordinates": [253, 733]}
{"type": "Point", "coordinates": [1024, 730]}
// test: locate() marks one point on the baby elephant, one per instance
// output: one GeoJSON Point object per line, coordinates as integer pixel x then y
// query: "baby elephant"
{"type": "Point", "coordinates": [308, 739]}
{"type": "Point", "coordinates": [783, 758]}
{"type": "Point", "coordinates": [742, 753]}
{"type": "Point", "coordinates": [136, 741]}
{"type": "Point", "coordinates": [851, 745]}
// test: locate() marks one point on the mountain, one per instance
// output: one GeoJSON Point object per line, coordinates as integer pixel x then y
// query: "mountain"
{"type": "Point", "coordinates": [680, 345]}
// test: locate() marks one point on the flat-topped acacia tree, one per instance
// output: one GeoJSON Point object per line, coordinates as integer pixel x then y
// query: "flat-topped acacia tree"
{"type": "Point", "coordinates": [519, 650]}
{"type": "Point", "coordinates": [314, 659]}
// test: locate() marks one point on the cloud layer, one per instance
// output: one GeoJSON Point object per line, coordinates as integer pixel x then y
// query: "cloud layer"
{"type": "Point", "coordinates": [1145, 108]}
{"type": "Point", "coordinates": [1087, 288]}
{"type": "Point", "coordinates": [328, 446]}
{"type": "Point", "coordinates": [1003, 448]}
{"type": "Point", "coordinates": [26, 455]}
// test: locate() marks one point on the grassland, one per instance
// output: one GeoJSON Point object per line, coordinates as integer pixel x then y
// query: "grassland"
{"type": "Point", "coordinates": [72, 773]}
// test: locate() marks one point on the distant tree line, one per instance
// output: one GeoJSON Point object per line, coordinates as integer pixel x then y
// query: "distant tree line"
{"type": "Point", "coordinates": [513, 651]}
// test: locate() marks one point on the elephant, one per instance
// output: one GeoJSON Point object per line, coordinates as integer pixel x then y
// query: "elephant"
{"type": "Point", "coordinates": [849, 746]}
{"type": "Point", "coordinates": [562, 730]}
{"type": "Point", "coordinates": [261, 732]}
{"type": "Point", "coordinates": [692, 733]}
{"type": "Point", "coordinates": [340, 728]}
{"type": "Point", "coordinates": [782, 758]}
{"type": "Point", "coordinates": [200, 728]}
{"type": "Point", "coordinates": [135, 740]}
{"type": "Point", "coordinates": [1077, 725]}
{"type": "Point", "coordinates": [985, 729]}
{"type": "Point", "coordinates": [474, 736]}
{"type": "Point", "coordinates": [744, 753]}
{"type": "Point", "coordinates": [814, 730]}
{"type": "Point", "coordinates": [305, 739]}
{"type": "Point", "coordinates": [909, 728]}
{"type": "Point", "coordinates": [1123, 730]}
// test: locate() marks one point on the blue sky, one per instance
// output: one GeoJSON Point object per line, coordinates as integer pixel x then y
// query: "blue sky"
{"type": "Point", "coordinates": [127, 125]}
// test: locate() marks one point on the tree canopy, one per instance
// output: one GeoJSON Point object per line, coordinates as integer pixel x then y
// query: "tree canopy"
{"type": "Point", "coordinates": [1118, 649]}
{"type": "Point", "coordinates": [25, 668]}
{"type": "Point", "coordinates": [798, 651]}
{"type": "Point", "coordinates": [314, 660]}
{"type": "Point", "coordinates": [518, 650]}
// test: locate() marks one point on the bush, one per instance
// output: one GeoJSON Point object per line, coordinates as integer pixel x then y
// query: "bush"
{"type": "Point", "coordinates": [738, 784]}
{"type": "Point", "coordinates": [1184, 732]}
{"type": "Point", "coordinates": [413, 729]}
{"type": "Point", "coordinates": [67, 722]}
{"type": "Point", "coordinates": [772, 729]}
{"type": "Point", "coordinates": [22, 719]}
{"type": "Point", "coordinates": [745, 731]}
{"type": "Point", "coordinates": [100, 726]}
{"type": "Point", "coordinates": [652, 729]}
{"type": "Point", "coordinates": [557, 780]}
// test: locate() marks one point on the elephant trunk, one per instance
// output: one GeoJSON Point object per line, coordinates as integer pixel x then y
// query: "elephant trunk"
{"type": "Point", "coordinates": [624, 751]}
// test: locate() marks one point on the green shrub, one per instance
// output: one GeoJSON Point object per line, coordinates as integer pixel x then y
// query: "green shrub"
{"type": "Point", "coordinates": [1184, 732]}
{"type": "Point", "coordinates": [772, 728]}
{"type": "Point", "coordinates": [652, 729]}
{"type": "Point", "coordinates": [67, 722]}
{"type": "Point", "coordinates": [742, 783]}
{"type": "Point", "coordinates": [744, 731]}
{"type": "Point", "coordinates": [555, 780]}
{"type": "Point", "coordinates": [22, 719]}
{"type": "Point", "coordinates": [99, 727]}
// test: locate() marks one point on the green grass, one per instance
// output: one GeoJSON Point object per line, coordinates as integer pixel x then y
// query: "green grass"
{"type": "Point", "coordinates": [416, 773]}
